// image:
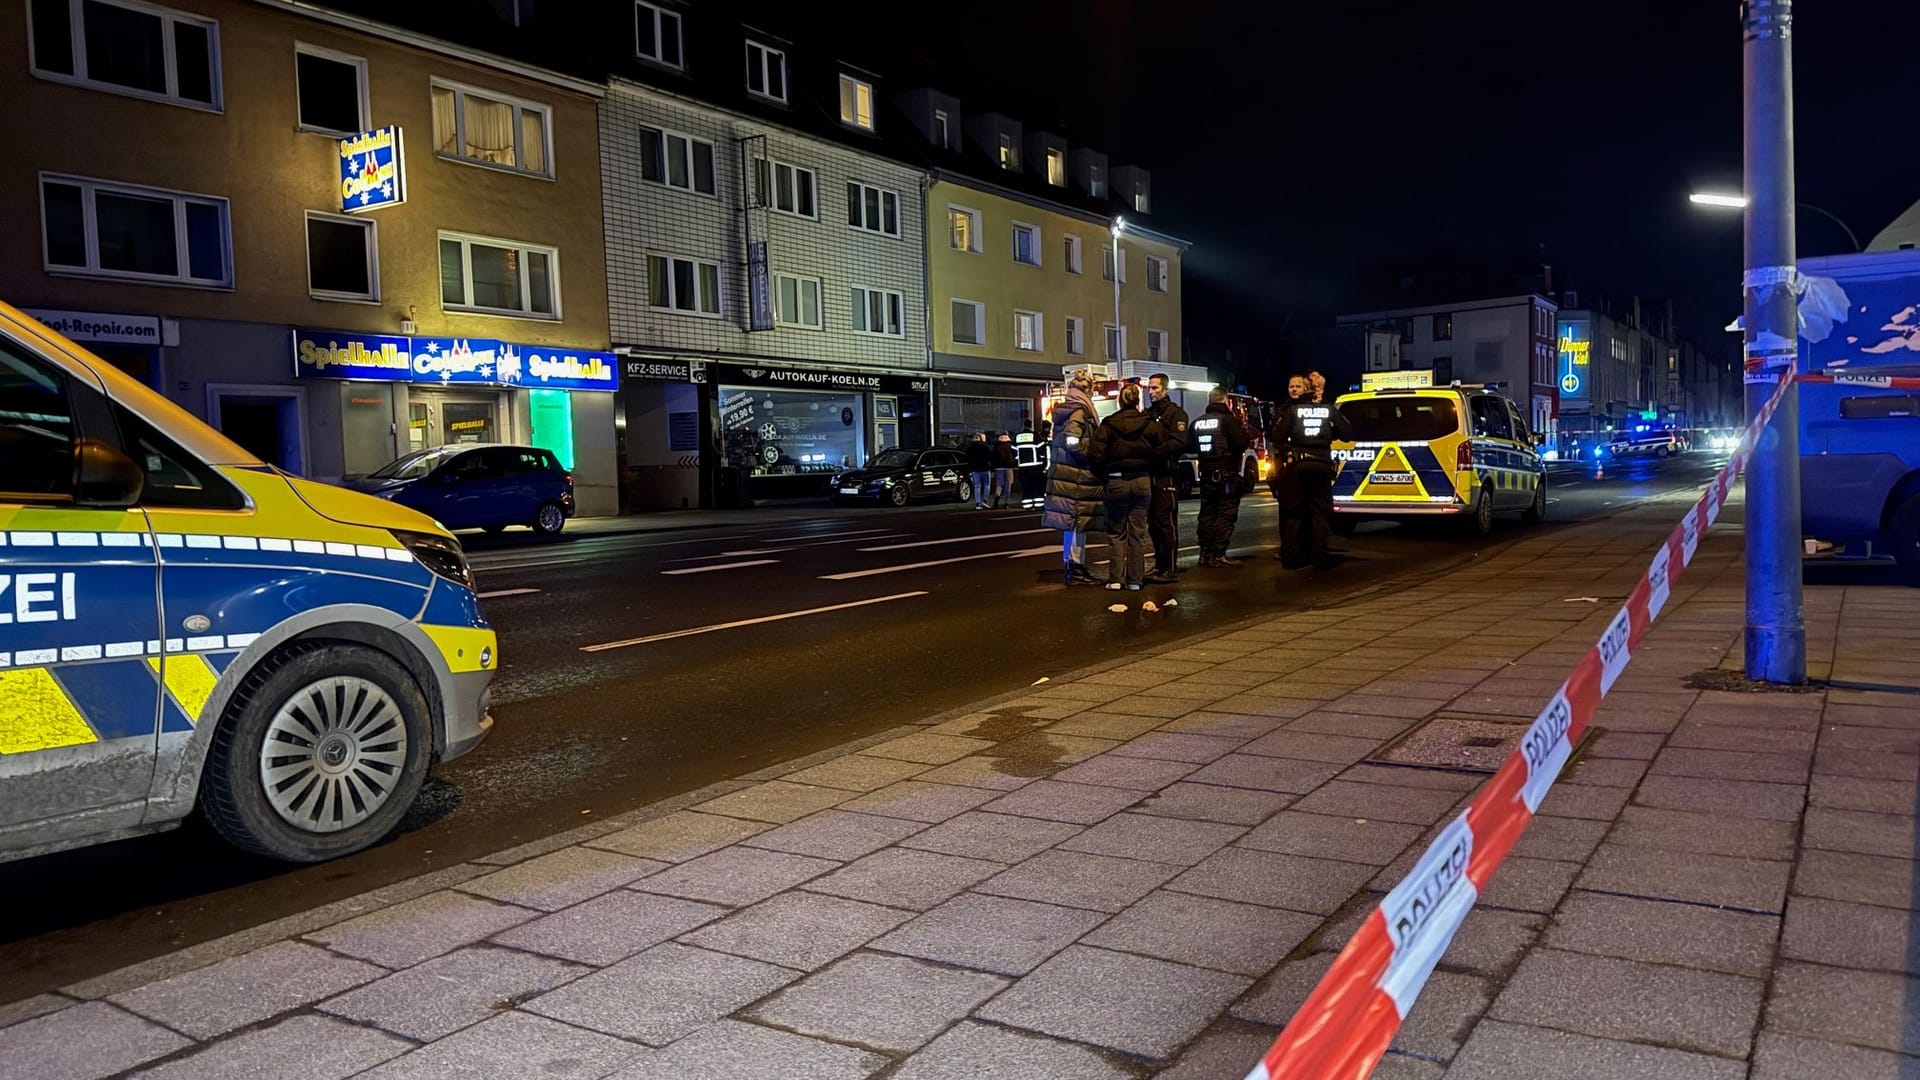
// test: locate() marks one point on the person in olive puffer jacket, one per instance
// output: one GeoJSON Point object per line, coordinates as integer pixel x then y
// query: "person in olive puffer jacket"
{"type": "Point", "coordinates": [1073, 491]}
{"type": "Point", "coordinates": [1126, 448]}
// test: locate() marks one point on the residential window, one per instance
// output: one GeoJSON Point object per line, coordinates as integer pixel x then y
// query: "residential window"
{"type": "Point", "coordinates": [964, 227]}
{"type": "Point", "coordinates": [1026, 244]}
{"type": "Point", "coordinates": [1106, 272]}
{"type": "Point", "coordinates": [1443, 328]}
{"type": "Point", "coordinates": [1116, 342]}
{"type": "Point", "coordinates": [1406, 331]}
{"type": "Point", "coordinates": [1028, 332]}
{"type": "Point", "coordinates": [129, 48]}
{"type": "Point", "coordinates": [490, 129]}
{"type": "Point", "coordinates": [1096, 180]}
{"type": "Point", "coordinates": [877, 311]}
{"type": "Point", "coordinates": [1076, 336]}
{"type": "Point", "coordinates": [797, 301]}
{"type": "Point", "coordinates": [941, 138]}
{"type": "Point", "coordinates": [1157, 345]}
{"type": "Point", "coordinates": [1056, 167]}
{"type": "Point", "coordinates": [499, 277]}
{"type": "Point", "coordinates": [856, 102]}
{"type": "Point", "coordinates": [119, 230]}
{"type": "Point", "coordinates": [969, 322]}
{"type": "Point", "coordinates": [656, 34]}
{"type": "Point", "coordinates": [787, 188]}
{"type": "Point", "coordinates": [677, 284]}
{"type": "Point", "coordinates": [343, 261]}
{"type": "Point", "coordinates": [1009, 154]}
{"type": "Point", "coordinates": [1156, 273]}
{"type": "Point", "coordinates": [1073, 255]}
{"type": "Point", "coordinates": [676, 160]}
{"type": "Point", "coordinates": [872, 209]}
{"type": "Point", "coordinates": [330, 91]}
{"type": "Point", "coordinates": [766, 72]}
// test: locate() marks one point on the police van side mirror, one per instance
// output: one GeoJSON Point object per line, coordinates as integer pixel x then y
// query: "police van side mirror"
{"type": "Point", "coordinates": [1539, 439]}
{"type": "Point", "coordinates": [105, 477]}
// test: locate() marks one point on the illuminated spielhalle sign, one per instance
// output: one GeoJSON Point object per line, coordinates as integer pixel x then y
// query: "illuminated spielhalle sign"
{"type": "Point", "coordinates": [450, 361]}
{"type": "Point", "coordinates": [1575, 359]}
{"type": "Point", "coordinates": [372, 170]}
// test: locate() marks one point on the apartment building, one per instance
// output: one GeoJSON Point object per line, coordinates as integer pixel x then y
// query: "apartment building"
{"type": "Point", "coordinates": [335, 238]}
{"type": "Point", "coordinates": [1507, 340]}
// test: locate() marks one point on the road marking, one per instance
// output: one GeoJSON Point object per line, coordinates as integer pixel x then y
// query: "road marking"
{"type": "Point", "coordinates": [506, 592]}
{"type": "Point", "coordinates": [719, 566]}
{"type": "Point", "coordinates": [749, 553]}
{"type": "Point", "coordinates": [956, 539]}
{"type": "Point", "coordinates": [736, 624]}
{"type": "Point", "coordinates": [1050, 549]}
{"type": "Point", "coordinates": [823, 535]}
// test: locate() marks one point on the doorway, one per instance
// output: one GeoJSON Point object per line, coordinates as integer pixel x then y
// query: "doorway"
{"type": "Point", "coordinates": [267, 421]}
{"type": "Point", "coordinates": [886, 423]}
{"type": "Point", "coordinates": [436, 418]}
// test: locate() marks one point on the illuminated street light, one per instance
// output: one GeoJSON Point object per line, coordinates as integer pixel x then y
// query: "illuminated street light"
{"type": "Point", "coordinates": [1739, 202]}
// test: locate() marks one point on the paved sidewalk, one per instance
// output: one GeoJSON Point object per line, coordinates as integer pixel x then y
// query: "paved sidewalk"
{"type": "Point", "coordinates": [1141, 871]}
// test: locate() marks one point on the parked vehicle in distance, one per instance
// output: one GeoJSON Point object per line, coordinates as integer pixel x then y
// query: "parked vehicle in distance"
{"type": "Point", "coordinates": [898, 476]}
{"type": "Point", "coordinates": [478, 486]}
{"type": "Point", "coordinates": [1655, 439]}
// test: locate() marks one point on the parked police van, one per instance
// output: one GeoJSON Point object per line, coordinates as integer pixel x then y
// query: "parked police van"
{"type": "Point", "coordinates": [183, 626]}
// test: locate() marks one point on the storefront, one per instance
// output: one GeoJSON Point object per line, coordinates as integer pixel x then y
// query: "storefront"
{"type": "Point", "coordinates": [661, 438]}
{"type": "Point", "coordinates": [131, 343]}
{"type": "Point", "coordinates": [782, 431]}
{"type": "Point", "coordinates": [970, 404]}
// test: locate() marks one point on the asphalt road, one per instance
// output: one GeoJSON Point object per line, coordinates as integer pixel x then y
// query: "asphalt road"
{"type": "Point", "coordinates": [636, 666]}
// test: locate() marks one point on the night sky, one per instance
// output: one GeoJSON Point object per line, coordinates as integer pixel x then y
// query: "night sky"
{"type": "Point", "coordinates": [1315, 151]}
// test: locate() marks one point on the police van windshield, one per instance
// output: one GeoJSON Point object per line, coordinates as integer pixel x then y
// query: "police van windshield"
{"type": "Point", "coordinates": [1402, 419]}
{"type": "Point", "coordinates": [415, 465]}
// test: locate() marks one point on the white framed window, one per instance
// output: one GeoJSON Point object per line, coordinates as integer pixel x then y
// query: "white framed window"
{"type": "Point", "coordinates": [1096, 180]}
{"type": "Point", "coordinates": [1073, 253]}
{"type": "Point", "coordinates": [343, 257]}
{"type": "Point", "coordinates": [1157, 345]}
{"type": "Point", "coordinates": [1056, 167]}
{"type": "Point", "coordinates": [1156, 273]}
{"type": "Point", "coordinates": [797, 301]}
{"type": "Point", "coordinates": [656, 34]}
{"type": "Point", "coordinates": [873, 209]}
{"type": "Point", "coordinates": [878, 311]}
{"type": "Point", "coordinates": [676, 160]}
{"type": "Point", "coordinates": [1026, 243]}
{"type": "Point", "coordinates": [1009, 154]}
{"type": "Point", "coordinates": [330, 91]}
{"type": "Point", "coordinates": [942, 131]}
{"type": "Point", "coordinates": [1076, 336]}
{"type": "Point", "coordinates": [127, 47]}
{"type": "Point", "coordinates": [1029, 331]}
{"type": "Point", "coordinates": [103, 229]}
{"type": "Point", "coordinates": [963, 228]}
{"type": "Point", "coordinates": [1116, 344]}
{"type": "Point", "coordinates": [1106, 271]}
{"type": "Point", "coordinates": [480, 127]}
{"type": "Point", "coordinates": [969, 322]}
{"type": "Point", "coordinates": [690, 286]}
{"type": "Point", "coordinates": [786, 188]}
{"type": "Point", "coordinates": [856, 102]}
{"type": "Point", "coordinates": [766, 72]}
{"type": "Point", "coordinates": [490, 276]}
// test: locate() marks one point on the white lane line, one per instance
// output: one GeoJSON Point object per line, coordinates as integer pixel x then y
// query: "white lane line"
{"type": "Point", "coordinates": [719, 566]}
{"type": "Point", "coordinates": [956, 540]}
{"type": "Point", "coordinates": [749, 553]}
{"type": "Point", "coordinates": [747, 622]}
{"type": "Point", "coordinates": [850, 575]}
{"type": "Point", "coordinates": [824, 535]}
{"type": "Point", "coordinates": [506, 592]}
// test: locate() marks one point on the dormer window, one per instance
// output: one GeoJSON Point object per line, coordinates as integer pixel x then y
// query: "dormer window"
{"type": "Point", "coordinates": [766, 72]}
{"type": "Point", "coordinates": [656, 34]}
{"type": "Point", "coordinates": [856, 103]}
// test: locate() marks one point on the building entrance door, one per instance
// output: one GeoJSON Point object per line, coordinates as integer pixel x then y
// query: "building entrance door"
{"type": "Point", "coordinates": [436, 418]}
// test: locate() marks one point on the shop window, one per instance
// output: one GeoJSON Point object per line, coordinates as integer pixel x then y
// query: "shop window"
{"type": "Point", "coordinates": [118, 230]}
{"type": "Point", "coordinates": [138, 49]}
{"type": "Point", "coordinates": [797, 301]}
{"type": "Point", "coordinates": [343, 262]}
{"type": "Point", "coordinates": [686, 285]}
{"type": "Point", "coordinates": [499, 277]}
{"type": "Point", "coordinates": [484, 128]}
{"type": "Point", "coordinates": [330, 90]}
{"type": "Point", "coordinates": [877, 311]}
{"type": "Point", "coordinates": [775, 432]}
{"type": "Point", "coordinates": [366, 421]}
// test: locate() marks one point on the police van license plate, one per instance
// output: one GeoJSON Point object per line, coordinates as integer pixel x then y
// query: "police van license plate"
{"type": "Point", "coordinates": [1391, 478]}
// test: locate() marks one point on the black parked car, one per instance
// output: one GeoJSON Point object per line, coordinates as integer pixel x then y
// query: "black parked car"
{"type": "Point", "coordinates": [899, 476]}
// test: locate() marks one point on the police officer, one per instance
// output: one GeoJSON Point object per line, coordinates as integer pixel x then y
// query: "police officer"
{"type": "Point", "coordinates": [1304, 431]}
{"type": "Point", "coordinates": [1163, 513]}
{"type": "Point", "coordinates": [1222, 441]}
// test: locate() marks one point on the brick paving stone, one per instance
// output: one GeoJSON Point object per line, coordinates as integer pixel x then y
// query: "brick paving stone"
{"type": "Point", "coordinates": [903, 877]}
{"type": "Point", "coordinates": [994, 774]}
{"type": "Point", "coordinates": [1691, 877]}
{"type": "Point", "coordinates": [1732, 765]}
{"type": "Point", "coordinates": [1274, 999]}
{"type": "Point", "coordinates": [1585, 801]}
{"type": "Point", "coordinates": [1567, 839]}
{"type": "Point", "coordinates": [736, 876]}
{"type": "Point", "coordinates": [1384, 705]}
{"type": "Point", "coordinates": [1874, 740]}
{"type": "Point", "coordinates": [1703, 736]}
{"type": "Point", "coordinates": [1212, 802]}
{"type": "Point", "coordinates": [447, 993]}
{"type": "Point", "coordinates": [1400, 776]}
{"type": "Point", "coordinates": [662, 994]}
{"type": "Point", "coordinates": [1708, 834]}
{"type": "Point", "coordinates": [856, 772]}
{"type": "Point", "coordinates": [678, 836]}
{"type": "Point", "coordinates": [890, 1003]}
{"type": "Point", "coordinates": [1682, 1008]}
{"type": "Point", "coordinates": [1361, 840]}
{"type": "Point", "coordinates": [561, 878]}
{"type": "Point", "coordinates": [1529, 884]}
{"type": "Point", "coordinates": [1352, 725]}
{"type": "Point", "coordinates": [27, 1008]}
{"type": "Point", "coordinates": [608, 929]}
{"type": "Point", "coordinates": [1225, 1049]}
{"type": "Point", "coordinates": [1735, 798]}
{"type": "Point", "coordinates": [297, 1048]}
{"type": "Point", "coordinates": [1413, 806]}
{"type": "Point", "coordinates": [1860, 793]}
{"type": "Point", "coordinates": [798, 929]}
{"type": "Point", "coordinates": [1261, 704]}
{"type": "Point", "coordinates": [1178, 746]}
{"type": "Point", "coordinates": [1050, 749]}
{"type": "Point", "coordinates": [1287, 775]}
{"type": "Point", "coordinates": [1497, 1051]}
{"type": "Point", "coordinates": [1155, 839]}
{"type": "Point", "coordinates": [928, 749]}
{"type": "Point", "coordinates": [917, 800]}
{"type": "Point", "coordinates": [86, 1042]}
{"type": "Point", "coordinates": [1849, 830]}
{"type": "Point", "coordinates": [1634, 746]}
{"type": "Point", "coordinates": [982, 1052]}
{"type": "Point", "coordinates": [1107, 726]}
{"type": "Point", "coordinates": [513, 1046]}
{"type": "Point", "coordinates": [1244, 939]}
{"type": "Point", "coordinates": [1318, 886]}
{"type": "Point", "coordinates": [1604, 772]}
{"type": "Point", "coordinates": [1871, 716]}
{"type": "Point", "coordinates": [1447, 1008]}
{"type": "Point", "coordinates": [1868, 1008]}
{"type": "Point", "coordinates": [1785, 1057]}
{"type": "Point", "coordinates": [1851, 935]}
{"type": "Point", "coordinates": [1312, 746]}
{"type": "Point", "coordinates": [777, 801]}
{"type": "Point", "coordinates": [1077, 879]}
{"type": "Point", "coordinates": [1223, 724]}
{"type": "Point", "coordinates": [1134, 1004]}
{"type": "Point", "coordinates": [1081, 804]}
{"type": "Point", "coordinates": [837, 834]}
{"type": "Point", "coordinates": [1002, 838]}
{"type": "Point", "coordinates": [246, 989]}
{"type": "Point", "coordinates": [990, 933]}
{"type": "Point", "coordinates": [1134, 773]}
{"type": "Point", "coordinates": [1166, 708]}
{"type": "Point", "coordinates": [1489, 942]}
{"type": "Point", "coordinates": [1861, 879]}
{"type": "Point", "coordinates": [730, 1049]}
{"type": "Point", "coordinates": [1657, 931]}
{"type": "Point", "coordinates": [1871, 764]}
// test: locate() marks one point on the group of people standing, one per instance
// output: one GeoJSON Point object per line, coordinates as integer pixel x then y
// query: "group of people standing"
{"type": "Point", "coordinates": [991, 463]}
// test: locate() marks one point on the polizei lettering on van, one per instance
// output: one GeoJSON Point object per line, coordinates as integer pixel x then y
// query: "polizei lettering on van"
{"type": "Point", "coordinates": [36, 598]}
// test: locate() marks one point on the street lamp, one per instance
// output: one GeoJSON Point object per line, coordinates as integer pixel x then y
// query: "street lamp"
{"type": "Point", "coordinates": [1119, 337]}
{"type": "Point", "coordinates": [1739, 202]}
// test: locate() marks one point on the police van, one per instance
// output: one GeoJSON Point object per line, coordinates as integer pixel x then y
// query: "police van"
{"type": "Point", "coordinates": [183, 626]}
{"type": "Point", "coordinates": [1423, 450]}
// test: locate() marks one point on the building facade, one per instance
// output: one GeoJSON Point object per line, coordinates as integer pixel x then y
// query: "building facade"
{"type": "Point", "coordinates": [336, 240]}
{"type": "Point", "coordinates": [1507, 341]}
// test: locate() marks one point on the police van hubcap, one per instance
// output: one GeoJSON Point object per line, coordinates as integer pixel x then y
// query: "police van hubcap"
{"type": "Point", "coordinates": [333, 754]}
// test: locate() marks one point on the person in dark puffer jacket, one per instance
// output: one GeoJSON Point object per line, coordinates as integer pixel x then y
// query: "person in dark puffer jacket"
{"type": "Point", "coordinates": [1126, 447]}
{"type": "Point", "coordinates": [1074, 493]}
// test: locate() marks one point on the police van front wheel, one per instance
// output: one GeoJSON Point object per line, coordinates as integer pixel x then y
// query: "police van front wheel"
{"type": "Point", "coordinates": [320, 752]}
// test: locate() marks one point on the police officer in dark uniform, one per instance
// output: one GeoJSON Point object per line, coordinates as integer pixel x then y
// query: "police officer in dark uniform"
{"type": "Point", "coordinates": [1163, 513]}
{"type": "Point", "coordinates": [1304, 431]}
{"type": "Point", "coordinates": [1222, 441]}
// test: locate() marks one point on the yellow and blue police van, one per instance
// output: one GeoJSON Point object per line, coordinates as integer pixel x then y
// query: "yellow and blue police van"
{"type": "Point", "coordinates": [1422, 450]}
{"type": "Point", "coordinates": [183, 626]}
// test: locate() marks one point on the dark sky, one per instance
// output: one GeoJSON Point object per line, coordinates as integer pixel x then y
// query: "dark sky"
{"type": "Point", "coordinates": [1312, 150]}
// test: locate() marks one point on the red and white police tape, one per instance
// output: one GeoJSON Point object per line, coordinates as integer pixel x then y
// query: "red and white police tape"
{"type": "Point", "coordinates": [1347, 1023]}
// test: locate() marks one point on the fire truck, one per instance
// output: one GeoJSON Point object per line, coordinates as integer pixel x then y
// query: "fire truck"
{"type": "Point", "coordinates": [1192, 397]}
